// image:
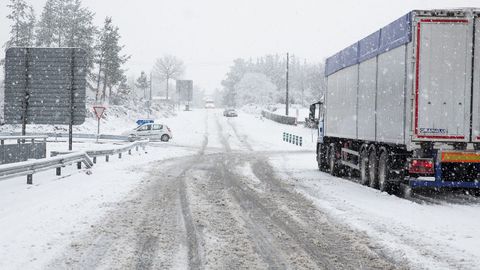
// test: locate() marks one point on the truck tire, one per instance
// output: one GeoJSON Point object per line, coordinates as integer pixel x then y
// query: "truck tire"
{"type": "Point", "coordinates": [332, 160]}
{"type": "Point", "coordinates": [321, 158]}
{"type": "Point", "coordinates": [384, 183]}
{"type": "Point", "coordinates": [373, 169]}
{"type": "Point", "coordinates": [363, 164]}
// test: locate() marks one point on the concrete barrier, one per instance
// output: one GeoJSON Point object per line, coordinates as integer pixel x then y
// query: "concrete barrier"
{"type": "Point", "coordinates": [287, 120]}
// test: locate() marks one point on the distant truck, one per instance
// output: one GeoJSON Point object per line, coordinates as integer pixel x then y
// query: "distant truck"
{"type": "Point", "coordinates": [403, 104]}
{"type": "Point", "coordinates": [209, 104]}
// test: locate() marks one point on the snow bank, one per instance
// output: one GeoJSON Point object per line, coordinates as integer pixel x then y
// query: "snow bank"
{"type": "Point", "coordinates": [38, 221]}
{"type": "Point", "coordinates": [116, 119]}
{"type": "Point", "coordinates": [428, 236]}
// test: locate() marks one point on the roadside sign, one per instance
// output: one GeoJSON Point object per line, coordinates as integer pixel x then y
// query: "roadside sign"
{"type": "Point", "coordinates": [185, 89]}
{"type": "Point", "coordinates": [99, 110]}
{"type": "Point", "coordinates": [45, 86]}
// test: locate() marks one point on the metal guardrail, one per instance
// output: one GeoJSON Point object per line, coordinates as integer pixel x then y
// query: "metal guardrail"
{"type": "Point", "coordinates": [110, 152]}
{"type": "Point", "coordinates": [293, 139]}
{"type": "Point", "coordinates": [62, 159]}
{"type": "Point", "coordinates": [28, 168]}
{"type": "Point", "coordinates": [75, 135]}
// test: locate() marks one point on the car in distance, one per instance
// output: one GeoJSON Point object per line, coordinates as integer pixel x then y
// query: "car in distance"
{"type": "Point", "coordinates": [230, 113]}
{"type": "Point", "coordinates": [209, 104]}
{"type": "Point", "coordinates": [150, 131]}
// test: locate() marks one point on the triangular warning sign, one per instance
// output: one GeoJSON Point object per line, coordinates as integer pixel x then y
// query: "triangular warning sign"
{"type": "Point", "coordinates": [99, 111]}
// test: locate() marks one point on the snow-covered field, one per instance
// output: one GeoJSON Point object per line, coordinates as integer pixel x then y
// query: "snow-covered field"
{"type": "Point", "coordinates": [39, 222]}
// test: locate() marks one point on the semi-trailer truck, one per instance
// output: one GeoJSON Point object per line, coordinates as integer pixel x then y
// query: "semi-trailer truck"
{"type": "Point", "coordinates": [402, 105]}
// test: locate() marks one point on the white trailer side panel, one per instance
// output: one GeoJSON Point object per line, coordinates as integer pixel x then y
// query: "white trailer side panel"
{"type": "Point", "coordinates": [367, 83]}
{"type": "Point", "coordinates": [342, 103]}
{"type": "Point", "coordinates": [476, 86]}
{"type": "Point", "coordinates": [391, 96]}
{"type": "Point", "coordinates": [443, 79]}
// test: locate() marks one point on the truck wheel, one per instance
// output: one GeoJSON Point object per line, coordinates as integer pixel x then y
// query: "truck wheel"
{"type": "Point", "coordinates": [372, 169]}
{"type": "Point", "coordinates": [363, 164]}
{"type": "Point", "coordinates": [383, 173]}
{"type": "Point", "coordinates": [321, 158]}
{"type": "Point", "coordinates": [332, 160]}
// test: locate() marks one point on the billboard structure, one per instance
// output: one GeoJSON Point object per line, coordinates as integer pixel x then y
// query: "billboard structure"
{"type": "Point", "coordinates": [45, 86]}
{"type": "Point", "coordinates": [185, 90]}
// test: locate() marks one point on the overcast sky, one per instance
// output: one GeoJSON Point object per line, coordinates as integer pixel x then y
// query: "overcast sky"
{"type": "Point", "coordinates": [209, 34]}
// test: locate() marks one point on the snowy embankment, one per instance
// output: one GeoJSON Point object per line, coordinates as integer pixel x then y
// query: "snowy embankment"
{"type": "Point", "coordinates": [116, 119]}
{"type": "Point", "coordinates": [37, 222]}
{"type": "Point", "coordinates": [418, 236]}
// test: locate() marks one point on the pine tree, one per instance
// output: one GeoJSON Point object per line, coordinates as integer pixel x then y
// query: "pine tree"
{"type": "Point", "coordinates": [22, 17]}
{"type": "Point", "coordinates": [124, 90]}
{"type": "Point", "coordinates": [109, 59]}
{"type": "Point", "coordinates": [65, 23]}
{"type": "Point", "coordinates": [47, 25]}
{"type": "Point", "coordinates": [143, 83]}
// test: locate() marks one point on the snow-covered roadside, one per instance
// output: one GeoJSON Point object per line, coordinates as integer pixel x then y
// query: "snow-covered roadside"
{"type": "Point", "coordinates": [266, 135]}
{"type": "Point", "coordinates": [116, 120]}
{"type": "Point", "coordinates": [428, 236]}
{"type": "Point", "coordinates": [422, 236]}
{"type": "Point", "coordinates": [36, 222]}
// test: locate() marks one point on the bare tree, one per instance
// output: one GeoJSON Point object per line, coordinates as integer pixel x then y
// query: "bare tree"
{"type": "Point", "coordinates": [168, 67]}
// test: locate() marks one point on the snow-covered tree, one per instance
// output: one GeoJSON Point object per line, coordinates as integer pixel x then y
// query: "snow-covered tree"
{"type": "Point", "coordinates": [66, 23]}
{"type": "Point", "coordinates": [143, 83]}
{"type": "Point", "coordinates": [168, 67]}
{"type": "Point", "coordinates": [306, 81]}
{"type": "Point", "coordinates": [124, 93]}
{"type": "Point", "coordinates": [109, 59]}
{"type": "Point", "coordinates": [255, 88]}
{"type": "Point", "coordinates": [22, 30]}
{"type": "Point", "coordinates": [239, 68]}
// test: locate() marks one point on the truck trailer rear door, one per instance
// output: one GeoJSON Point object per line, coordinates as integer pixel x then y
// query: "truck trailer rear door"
{"type": "Point", "coordinates": [442, 88]}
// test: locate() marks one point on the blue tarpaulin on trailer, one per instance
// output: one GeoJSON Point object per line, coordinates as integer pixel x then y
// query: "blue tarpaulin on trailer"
{"type": "Point", "coordinates": [396, 34]}
{"type": "Point", "coordinates": [368, 47]}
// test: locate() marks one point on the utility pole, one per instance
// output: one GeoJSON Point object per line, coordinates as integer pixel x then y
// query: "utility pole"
{"type": "Point", "coordinates": [286, 87]}
{"type": "Point", "coordinates": [150, 97]}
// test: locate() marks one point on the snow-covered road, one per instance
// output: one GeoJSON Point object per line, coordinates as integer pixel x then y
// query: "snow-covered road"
{"type": "Point", "coordinates": [226, 193]}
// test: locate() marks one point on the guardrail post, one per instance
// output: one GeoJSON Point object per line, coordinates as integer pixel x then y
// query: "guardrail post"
{"type": "Point", "coordinates": [120, 155]}
{"type": "Point", "coordinates": [94, 160]}
{"type": "Point", "coordinates": [107, 158]}
{"type": "Point", "coordinates": [3, 151]}
{"type": "Point", "coordinates": [29, 179]}
{"type": "Point", "coordinates": [59, 171]}
{"type": "Point", "coordinates": [79, 165]}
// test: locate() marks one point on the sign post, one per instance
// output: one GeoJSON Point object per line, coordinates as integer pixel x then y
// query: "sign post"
{"type": "Point", "coordinates": [185, 92]}
{"type": "Point", "coordinates": [99, 110]}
